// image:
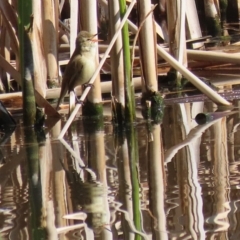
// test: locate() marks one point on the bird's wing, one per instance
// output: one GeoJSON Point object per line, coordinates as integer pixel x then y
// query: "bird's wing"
{"type": "Point", "coordinates": [75, 72]}
{"type": "Point", "coordinates": [70, 76]}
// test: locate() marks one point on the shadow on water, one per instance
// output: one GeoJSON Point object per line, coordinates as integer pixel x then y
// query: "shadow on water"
{"type": "Point", "coordinates": [172, 180]}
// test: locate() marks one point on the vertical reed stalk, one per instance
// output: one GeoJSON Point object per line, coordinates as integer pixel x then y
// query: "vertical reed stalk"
{"type": "Point", "coordinates": [160, 15]}
{"type": "Point", "coordinates": [223, 13]}
{"type": "Point", "coordinates": [148, 54]}
{"type": "Point", "coordinates": [74, 24]}
{"type": "Point", "coordinates": [177, 43]}
{"type": "Point", "coordinates": [117, 70]}
{"type": "Point", "coordinates": [181, 34]}
{"type": "Point", "coordinates": [212, 18]}
{"type": "Point", "coordinates": [193, 25]}
{"type": "Point", "coordinates": [93, 106]}
{"type": "Point", "coordinates": [25, 25]}
{"type": "Point", "coordinates": [129, 91]}
{"type": "Point", "coordinates": [147, 42]}
{"type": "Point", "coordinates": [5, 52]}
{"type": "Point", "coordinates": [40, 67]}
{"type": "Point", "coordinates": [50, 40]}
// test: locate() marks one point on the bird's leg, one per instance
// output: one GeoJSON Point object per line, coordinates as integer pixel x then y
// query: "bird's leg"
{"type": "Point", "coordinates": [78, 101]}
{"type": "Point", "coordinates": [84, 85]}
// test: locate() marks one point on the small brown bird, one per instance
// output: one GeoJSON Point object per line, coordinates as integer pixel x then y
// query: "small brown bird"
{"type": "Point", "coordinates": [81, 66]}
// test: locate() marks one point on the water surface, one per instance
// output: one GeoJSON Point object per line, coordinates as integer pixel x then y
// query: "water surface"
{"type": "Point", "coordinates": [173, 180]}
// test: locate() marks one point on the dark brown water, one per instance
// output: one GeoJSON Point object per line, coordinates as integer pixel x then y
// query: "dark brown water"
{"type": "Point", "coordinates": [174, 180]}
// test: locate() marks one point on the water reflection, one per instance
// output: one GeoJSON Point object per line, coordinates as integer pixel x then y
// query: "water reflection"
{"type": "Point", "coordinates": [174, 180]}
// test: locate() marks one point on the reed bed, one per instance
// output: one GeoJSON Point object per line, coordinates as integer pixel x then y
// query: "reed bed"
{"type": "Point", "coordinates": [63, 185]}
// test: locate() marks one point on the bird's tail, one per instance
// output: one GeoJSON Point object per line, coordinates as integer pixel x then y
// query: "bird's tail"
{"type": "Point", "coordinates": [58, 104]}
{"type": "Point", "coordinates": [62, 94]}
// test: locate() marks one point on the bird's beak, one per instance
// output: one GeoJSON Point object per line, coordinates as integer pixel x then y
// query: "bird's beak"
{"type": "Point", "coordinates": [95, 39]}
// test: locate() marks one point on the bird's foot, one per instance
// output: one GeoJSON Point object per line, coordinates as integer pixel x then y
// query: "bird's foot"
{"type": "Point", "coordinates": [78, 101]}
{"type": "Point", "coordinates": [88, 85]}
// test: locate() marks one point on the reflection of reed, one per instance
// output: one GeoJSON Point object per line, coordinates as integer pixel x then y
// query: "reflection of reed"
{"type": "Point", "coordinates": [191, 196]}
{"type": "Point", "coordinates": [221, 175]}
{"type": "Point", "coordinates": [157, 184]}
{"type": "Point", "coordinates": [193, 134]}
{"type": "Point", "coordinates": [35, 185]}
{"type": "Point", "coordinates": [97, 162]}
{"type": "Point", "coordinates": [129, 192]}
{"type": "Point", "coordinates": [55, 187]}
{"type": "Point", "coordinates": [125, 185]}
{"type": "Point", "coordinates": [190, 204]}
{"type": "Point", "coordinates": [133, 164]}
{"type": "Point", "coordinates": [234, 173]}
{"type": "Point", "coordinates": [196, 199]}
{"type": "Point", "coordinates": [234, 138]}
{"type": "Point", "coordinates": [128, 185]}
